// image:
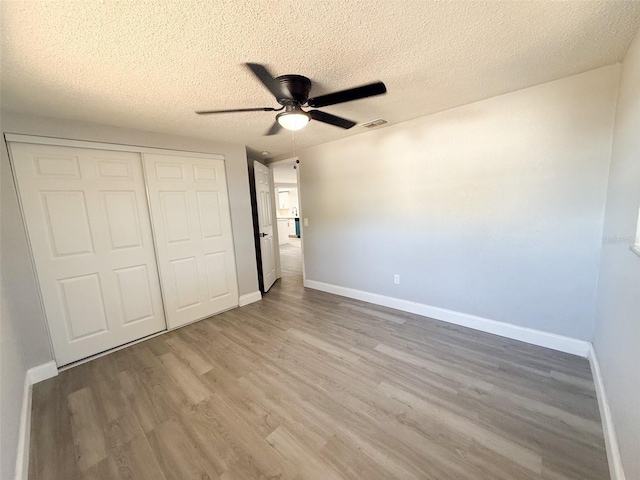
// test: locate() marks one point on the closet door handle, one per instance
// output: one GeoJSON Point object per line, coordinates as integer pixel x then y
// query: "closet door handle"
{"type": "Point", "coordinates": [264, 234]}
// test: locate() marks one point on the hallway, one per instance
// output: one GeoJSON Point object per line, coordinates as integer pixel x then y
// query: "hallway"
{"type": "Point", "coordinates": [291, 260]}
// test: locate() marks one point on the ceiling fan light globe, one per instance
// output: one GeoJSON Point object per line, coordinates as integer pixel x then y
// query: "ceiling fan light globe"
{"type": "Point", "coordinates": [293, 120]}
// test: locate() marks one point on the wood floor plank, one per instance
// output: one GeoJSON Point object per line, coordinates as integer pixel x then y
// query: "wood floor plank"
{"type": "Point", "coordinates": [350, 461]}
{"type": "Point", "coordinates": [53, 452]}
{"type": "Point", "coordinates": [476, 432]}
{"type": "Point", "coordinates": [182, 347]}
{"type": "Point", "coordinates": [303, 459]}
{"type": "Point", "coordinates": [136, 461]}
{"type": "Point", "coordinates": [369, 312]}
{"type": "Point", "coordinates": [177, 455]}
{"type": "Point", "coordinates": [309, 385]}
{"type": "Point", "coordinates": [87, 430]}
{"type": "Point", "coordinates": [246, 438]}
{"type": "Point", "coordinates": [205, 432]}
{"type": "Point", "coordinates": [188, 381]}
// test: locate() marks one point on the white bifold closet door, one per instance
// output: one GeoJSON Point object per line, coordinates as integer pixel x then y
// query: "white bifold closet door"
{"type": "Point", "coordinates": [88, 223]}
{"type": "Point", "coordinates": [194, 241]}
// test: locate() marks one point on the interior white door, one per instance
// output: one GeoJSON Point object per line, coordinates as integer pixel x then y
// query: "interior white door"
{"type": "Point", "coordinates": [265, 222]}
{"type": "Point", "coordinates": [192, 223]}
{"type": "Point", "coordinates": [88, 223]}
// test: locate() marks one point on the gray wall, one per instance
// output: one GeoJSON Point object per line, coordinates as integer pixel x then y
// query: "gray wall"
{"type": "Point", "coordinates": [617, 331]}
{"type": "Point", "coordinates": [23, 337]}
{"type": "Point", "coordinates": [21, 299]}
{"type": "Point", "coordinates": [493, 209]}
{"type": "Point", "coordinates": [25, 342]}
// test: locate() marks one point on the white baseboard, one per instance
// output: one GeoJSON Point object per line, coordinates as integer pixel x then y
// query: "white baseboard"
{"type": "Point", "coordinates": [610, 439]}
{"type": "Point", "coordinates": [250, 298]}
{"type": "Point", "coordinates": [528, 335]}
{"type": "Point", "coordinates": [33, 375]}
{"type": "Point", "coordinates": [22, 456]}
{"type": "Point", "coordinates": [42, 372]}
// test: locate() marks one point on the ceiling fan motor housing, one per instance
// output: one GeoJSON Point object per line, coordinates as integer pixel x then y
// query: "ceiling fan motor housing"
{"type": "Point", "coordinates": [298, 86]}
{"type": "Point", "coordinates": [292, 92]}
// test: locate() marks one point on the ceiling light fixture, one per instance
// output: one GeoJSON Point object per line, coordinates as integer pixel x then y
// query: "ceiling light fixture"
{"type": "Point", "coordinates": [293, 118]}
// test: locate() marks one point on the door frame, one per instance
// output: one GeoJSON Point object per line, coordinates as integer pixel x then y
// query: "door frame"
{"type": "Point", "coordinates": [67, 142]}
{"type": "Point", "coordinates": [281, 163]}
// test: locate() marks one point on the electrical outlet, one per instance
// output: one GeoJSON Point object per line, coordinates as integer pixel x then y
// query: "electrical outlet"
{"type": "Point", "coordinates": [396, 279]}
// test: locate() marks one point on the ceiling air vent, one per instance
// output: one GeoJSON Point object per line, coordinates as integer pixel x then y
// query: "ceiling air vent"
{"type": "Point", "coordinates": [374, 123]}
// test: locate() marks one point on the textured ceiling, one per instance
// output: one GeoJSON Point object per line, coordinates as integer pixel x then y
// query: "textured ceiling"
{"type": "Point", "coordinates": [149, 65]}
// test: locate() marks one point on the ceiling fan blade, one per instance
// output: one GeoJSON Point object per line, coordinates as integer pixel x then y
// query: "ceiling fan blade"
{"type": "Point", "coordinates": [261, 72]}
{"type": "Point", "coordinates": [275, 128]}
{"type": "Point", "coordinates": [342, 96]}
{"type": "Point", "coordinates": [331, 119]}
{"type": "Point", "coordinates": [259, 109]}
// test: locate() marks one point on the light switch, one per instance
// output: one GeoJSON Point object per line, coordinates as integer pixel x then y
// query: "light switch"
{"type": "Point", "coordinates": [305, 222]}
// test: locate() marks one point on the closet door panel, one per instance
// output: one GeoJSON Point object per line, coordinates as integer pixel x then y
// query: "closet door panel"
{"type": "Point", "coordinates": [90, 233]}
{"type": "Point", "coordinates": [192, 223]}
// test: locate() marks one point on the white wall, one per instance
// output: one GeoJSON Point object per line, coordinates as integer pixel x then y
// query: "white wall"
{"type": "Point", "coordinates": [617, 330]}
{"type": "Point", "coordinates": [293, 200]}
{"type": "Point", "coordinates": [293, 197]}
{"type": "Point", "coordinates": [493, 209]}
{"type": "Point", "coordinates": [285, 174]}
{"type": "Point", "coordinates": [25, 342]}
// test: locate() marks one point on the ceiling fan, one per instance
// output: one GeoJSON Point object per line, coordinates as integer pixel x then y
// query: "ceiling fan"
{"type": "Point", "coordinates": [292, 92]}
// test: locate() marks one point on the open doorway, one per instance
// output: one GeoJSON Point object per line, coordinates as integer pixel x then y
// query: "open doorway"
{"type": "Point", "coordinates": [275, 198]}
{"type": "Point", "coordinates": [287, 201]}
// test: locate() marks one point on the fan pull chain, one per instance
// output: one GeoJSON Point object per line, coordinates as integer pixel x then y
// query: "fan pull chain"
{"type": "Point", "coordinates": [293, 139]}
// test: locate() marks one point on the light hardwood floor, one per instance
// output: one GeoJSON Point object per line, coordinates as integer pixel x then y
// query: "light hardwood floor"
{"type": "Point", "coordinates": [307, 385]}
